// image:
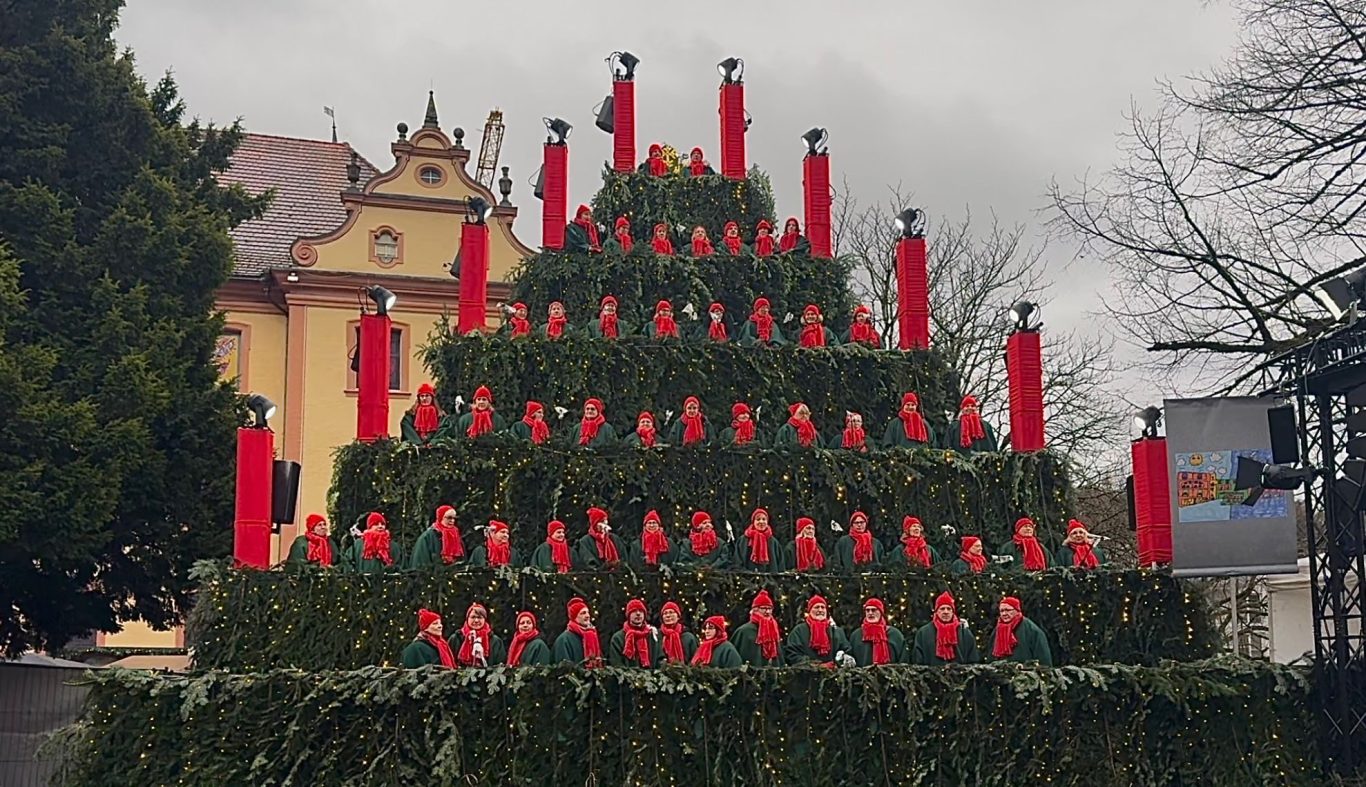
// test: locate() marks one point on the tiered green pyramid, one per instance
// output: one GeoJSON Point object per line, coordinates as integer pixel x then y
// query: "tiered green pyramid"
{"type": "Point", "coordinates": [294, 684]}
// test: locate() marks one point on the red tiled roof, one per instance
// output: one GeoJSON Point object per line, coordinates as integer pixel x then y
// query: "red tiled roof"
{"type": "Point", "coordinates": [308, 176]}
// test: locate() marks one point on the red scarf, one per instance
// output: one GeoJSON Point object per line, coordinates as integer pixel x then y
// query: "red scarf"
{"type": "Point", "coordinates": [697, 167]}
{"type": "Point", "coordinates": [863, 333]}
{"type": "Point", "coordinates": [559, 555]}
{"type": "Point", "coordinates": [592, 651]}
{"type": "Point", "coordinates": [637, 647]}
{"type": "Point", "coordinates": [855, 438]}
{"type": "Point", "coordinates": [319, 549]}
{"type": "Point", "coordinates": [716, 331]}
{"type": "Point", "coordinates": [732, 244]}
{"type": "Point", "coordinates": [744, 431]}
{"type": "Point", "coordinates": [521, 326]}
{"type": "Point", "coordinates": [702, 541]}
{"type": "Point", "coordinates": [758, 544]}
{"type": "Point", "coordinates": [701, 247]}
{"type": "Point", "coordinates": [662, 245]}
{"type": "Point", "coordinates": [1034, 559]}
{"type": "Point", "coordinates": [520, 641]}
{"type": "Point", "coordinates": [977, 563]}
{"type": "Point", "coordinates": [946, 638]}
{"type": "Point", "coordinates": [769, 635]}
{"type": "Point", "coordinates": [914, 424]}
{"type": "Point", "coordinates": [763, 245]}
{"type": "Point", "coordinates": [704, 648]}
{"type": "Point", "coordinates": [591, 230]}
{"type": "Point", "coordinates": [375, 546]}
{"type": "Point", "coordinates": [876, 634]}
{"type": "Point", "coordinates": [1083, 556]}
{"type": "Point", "coordinates": [426, 419]}
{"type": "Point", "coordinates": [673, 643]}
{"type": "Point", "coordinates": [554, 326]}
{"type": "Point", "coordinates": [607, 323]}
{"type": "Point", "coordinates": [809, 555]}
{"type": "Point", "coordinates": [607, 548]}
{"type": "Point", "coordinates": [917, 551]}
{"type": "Point", "coordinates": [443, 649]}
{"type": "Point", "coordinates": [763, 325]}
{"type": "Point", "coordinates": [540, 430]}
{"type": "Point", "coordinates": [588, 429]}
{"type": "Point", "coordinates": [820, 635]}
{"type": "Point", "coordinates": [499, 554]}
{"type": "Point", "coordinates": [665, 326]}
{"type": "Point", "coordinates": [863, 546]}
{"type": "Point", "coordinates": [1005, 642]}
{"type": "Point", "coordinates": [647, 436]}
{"type": "Point", "coordinates": [658, 166]}
{"type": "Point", "coordinates": [788, 241]}
{"type": "Point", "coordinates": [813, 334]}
{"type": "Point", "coordinates": [482, 423]}
{"type": "Point", "coordinates": [653, 543]}
{"type": "Point", "coordinates": [970, 429]}
{"type": "Point", "coordinates": [806, 431]}
{"type": "Point", "coordinates": [470, 636]}
{"type": "Point", "coordinates": [451, 548]}
{"type": "Point", "coordinates": [624, 238]}
{"type": "Point", "coordinates": [694, 429]}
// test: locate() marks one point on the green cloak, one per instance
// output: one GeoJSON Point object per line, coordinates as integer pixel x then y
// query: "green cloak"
{"type": "Point", "coordinates": [462, 426]}
{"type": "Point", "coordinates": [298, 554]}
{"type": "Point", "coordinates": [479, 557]}
{"type": "Point", "coordinates": [497, 652]}
{"type": "Point", "coordinates": [676, 432]}
{"type": "Point", "coordinates": [356, 564]}
{"type": "Point", "coordinates": [844, 556]}
{"type": "Point", "coordinates": [427, 550]}
{"type": "Point", "coordinates": [569, 647]}
{"type": "Point", "coordinates": [776, 556]}
{"type": "Point", "coordinates": [787, 438]}
{"type": "Point", "coordinates": [923, 651]}
{"type": "Point", "coordinates": [637, 556]}
{"type": "Point", "coordinates": [862, 650]}
{"type": "Point", "coordinates": [951, 439]}
{"type": "Point", "coordinates": [728, 440]}
{"type": "Point", "coordinates": [605, 438]}
{"type": "Point", "coordinates": [535, 654]}
{"type": "Point", "coordinates": [408, 429]}
{"type": "Point", "coordinates": [749, 335]}
{"type": "Point", "coordinates": [1064, 557]}
{"type": "Point", "coordinates": [749, 650]}
{"type": "Point", "coordinates": [586, 552]}
{"type": "Point", "coordinates": [724, 655]}
{"type": "Point", "coordinates": [1031, 644]}
{"type": "Point", "coordinates": [420, 653]}
{"type": "Point", "coordinates": [894, 436]}
{"type": "Point", "coordinates": [899, 558]}
{"type": "Point", "coordinates": [1017, 563]}
{"type": "Point", "coordinates": [616, 651]}
{"type": "Point", "coordinates": [541, 559]}
{"type": "Point", "coordinates": [797, 649]}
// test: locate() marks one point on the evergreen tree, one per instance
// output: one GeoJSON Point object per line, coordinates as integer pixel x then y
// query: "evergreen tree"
{"type": "Point", "coordinates": [116, 445]}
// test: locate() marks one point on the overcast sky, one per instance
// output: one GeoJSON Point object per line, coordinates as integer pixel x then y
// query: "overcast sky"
{"type": "Point", "coordinates": [970, 103]}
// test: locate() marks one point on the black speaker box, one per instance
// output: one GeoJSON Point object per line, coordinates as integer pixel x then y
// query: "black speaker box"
{"type": "Point", "coordinates": [284, 498]}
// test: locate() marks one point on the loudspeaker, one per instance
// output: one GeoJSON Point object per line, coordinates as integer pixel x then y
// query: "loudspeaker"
{"type": "Point", "coordinates": [1247, 473]}
{"type": "Point", "coordinates": [1133, 503]}
{"type": "Point", "coordinates": [284, 497]}
{"type": "Point", "coordinates": [1285, 440]}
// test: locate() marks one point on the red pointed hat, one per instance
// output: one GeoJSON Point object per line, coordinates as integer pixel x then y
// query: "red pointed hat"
{"type": "Point", "coordinates": [374, 518]}
{"type": "Point", "coordinates": [576, 605]}
{"type": "Point", "coordinates": [636, 605]}
{"type": "Point", "coordinates": [762, 600]}
{"type": "Point", "coordinates": [314, 520]}
{"type": "Point", "coordinates": [1013, 603]}
{"type": "Point", "coordinates": [944, 599]}
{"type": "Point", "coordinates": [738, 409]}
{"type": "Point", "coordinates": [622, 221]}
{"type": "Point", "coordinates": [596, 516]}
{"type": "Point", "coordinates": [813, 601]}
{"type": "Point", "coordinates": [552, 526]}
{"type": "Point", "coordinates": [483, 391]}
{"type": "Point", "coordinates": [425, 618]}
{"type": "Point", "coordinates": [606, 299]}
{"type": "Point", "coordinates": [875, 603]}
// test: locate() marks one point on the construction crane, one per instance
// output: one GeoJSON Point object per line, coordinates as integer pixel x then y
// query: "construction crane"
{"type": "Point", "coordinates": [489, 150]}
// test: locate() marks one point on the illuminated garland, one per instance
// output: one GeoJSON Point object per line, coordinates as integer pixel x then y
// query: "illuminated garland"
{"type": "Point", "coordinates": [249, 620]}
{"type": "Point", "coordinates": [1218, 723]}
{"type": "Point", "coordinates": [527, 486]}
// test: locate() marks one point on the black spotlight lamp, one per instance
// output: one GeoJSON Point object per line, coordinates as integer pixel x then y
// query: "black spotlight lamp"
{"type": "Point", "coordinates": [1021, 312]}
{"type": "Point", "coordinates": [477, 210]}
{"type": "Point", "coordinates": [262, 410]}
{"type": "Point", "coordinates": [815, 140]}
{"type": "Point", "coordinates": [559, 130]}
{"type": "Point", "coordinates": [910, 223]}
{"type": "Point", "coordinates": [732, 70]}
{"type": "Point", "coordinates": [1147, 420]}
{"type": "Point", "coordinates": [384, 300]}
{"type": "Point", "coordinates": [623, 65]}
{"type": "Point", "coordinates": [1340, 294]}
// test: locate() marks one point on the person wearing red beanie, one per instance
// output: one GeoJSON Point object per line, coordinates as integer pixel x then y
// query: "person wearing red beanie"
{"type": "Point", "coordinates": [861, 330]}
{"type": "Point", "coordinates": [609, 324]}
{"type": "Point", "coordinates": [764, 242]}
{"type": "Point", "coordinates": [578, 644]}
{"type": "Point", "coordinates": [654, 164]}
{"type": "Point", "coordinates": [663, 327]}
{"type": "Point", "coordinates": [1017, 638]}
{"type": "Point", "coordinates": [599, 548]}
{"type": "Point", "coordinates": [636, 643]}
{"type": "Point", "coordinates": [1077, 551]}
{"type": "Point", "coordinates": [653, 549]}
{"type": "Point", "coordinates": [676, 643]}
{"type": "Point", "coordinates": [813, 333]}
{"type": "Point", "coordinates": [972, 557]}
{"type": "Point", "coordinates": [799, 431]}
{"type": "Point", "coordinates": [697, 164]}
{"type": "Point", "coordinates": [715, 649]}
{"type": "Point", "coordinates": [517, 323]}
{"type": "Point", "coordinates": [692, 427]}
{"type": "Point", "coordinates": [482, 419]}
{"type": "Point", "coordinates": [315, 546]}
{"type": "Point", "coordinates": [760, 641]}
{"type": "Point", "coordinates": [594, 431]}
{"type": "Point", "coordinates": [425, 421]}
{"type": "Point", "coordinates": [527, 649]}
{"type": "Point", "coordinates": [875, 642]}
{"type": "Point", "coordinates": [428, 647]}
{"type": "Point", "coordinates": [805, 555]}
{"type": "Point", "coordinates": [621, 235]}
{"type": "Point", "coordinates": [908, 429]}
{"type": "Point", "coordinates": [554, 555]}
{"type": "Point", "coordinates": [946, 639]}
{"type": "Point", "coordinates": [581, 234]}
{"type": "Point", "coordinates": [533, 426]}
{"type": "Point", "coordinates": [761, 328]}
{"type": "Point", "coordinates": [915, 551]}
{"type": "Point", "coordinates": [645, 434]}
{"type": "Point", "coordinates": [857, 551]}
{"type": "Point", "coordinates": [440, 544]}
{"type": "Point", "coordinates": [713, 328]}
{"type": "Point", "coordinates": [816, 638]}
{"type": "Point", "coordinates": [1024, 549]}
{"type": "Point", "coordinates": [968, 433]}
{"type": "Point", "coordinates": [743, 431]}
{"type": "Point", "coordinates": [703, 548]}
{"type": "Point", "coordinates": [475, 644]}
{"type": "Point", "coordinates": [759, 549]}
{"type": "Point", "coordinates": [497, 550]}
{"type": "Point", "coordinates": [376, 551]}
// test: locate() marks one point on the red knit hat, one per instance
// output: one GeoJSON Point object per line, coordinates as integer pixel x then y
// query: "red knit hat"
{"type": "Point", "coordinates": [552, 526]}
{"type": "Point", "coordinates": [425, 618]}
{"type": "Point", "coordinates": [858, 515]}
{"type": "Point", "coordinates": [943, 599]}
{"type": "Point", "coordinates": [622, 221]}
{"type": "Point", "coordinates": [1022, 521]}
{"type": "Point", "coordinates": [532, 408]}
{"type": "Point", "coordinates": [656, 148]}
{"type": "Point", "coordinates": [803, 522]}
{"type": "Point", "coordinates": [442, 511]}
{"type": "Point", "coordinates": [645, 414]}
{"type": "Point", "coordinates": [811, 308]}
{"type": "Point", "coordinates": [910, 397]}
{"type": "Point", "coordinates": [763, 225]}
{"type": "Point", "coordinates": [968, 401]}
{"type": "Point", "coordinates": [716, 305]}
{"type": "Point", "coordinates": [813, 601]}
{"type": "Point", "coordinates": [909, 522]}
{"type": "Point", "coordinates": [761, 303]}
{"type": "Point", "coordinates": [717, 621]}
{"type": "Point", "coordinates": [651, 516]}
{"type": "Point", "coordinates": [313, 520]}
{"type": "Point", "coordinates": [596, 516]}
{"type": "Point", "coordinates": [794, 407]}
{"type": "Point", "coordinates": [762, 600]}
{"type": "Point", "coordinates": [1013, 603]}
{"type": "Point", "coordinates": [731, 225]}
{"type": "Point", "coordinates": [698, 517]}
{"type": "Point", "coordinates": [426, 388]}
{"type": "Point", "coordinates": [738, 409]}
{"type": "Point", "coordinates": [636, 605]}
{"type": "Point", "coordinates": [606, 299]}
{"type": "Point", "coordinates": [576, 605]}
{"type": "Point", "coordinates": [578, 214]}
{"type": "Point", "coordinates": [518, 306]}
{"type": "Point", "coordinates": [1073, 524]}
{"type": "Point", "coordinates": [483, 391]}
{"type": "Point", "coordinates": [374, 518]}
{"type": "Point", "coordinates": [495, 525]}
{"type": "Point", "coordinates": [970, 541]}
{"type": "Point", "coordinates": [876, 603]}
{"type": "Point", "coordinates": [663, 305]}
{"type": "Point", "coordinates": [668, 605]}
{"type": "Point", "coordinates": [596, 402]}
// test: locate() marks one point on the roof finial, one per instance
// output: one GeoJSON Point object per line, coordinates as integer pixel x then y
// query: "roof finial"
{"type": "Point", "coordinates": [430, 121]}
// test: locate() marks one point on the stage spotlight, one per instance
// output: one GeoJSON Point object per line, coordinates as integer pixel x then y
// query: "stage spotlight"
{"type": "Point", "coordinates": [477, 210]}
{"type": "Point", "coordinates": [384, 300]}
{"type": "Point", "coordinates": [815, 141]}
{"type": "Point", "coordinates": [909, 223]}
{"type": "Point", "coordinates": [559, 129]}
{"type": "Point", "coordinates": [1021, 312]}
{"type": "Point", "coordinates": [623, 65]}
{"type": "Point", "coordinates": [732, 70]}
{"type": "Point", "coordinates": [262, 409]}
{"type": "Point", "coordinates": [1341, 294]}
{"type": "Point", "coordinates": [1147, 420]}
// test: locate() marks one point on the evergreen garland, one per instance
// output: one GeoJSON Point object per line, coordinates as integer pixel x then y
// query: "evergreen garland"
{"type": "Point", "coordinates": [682, 201]}
{"type": "Point", "coordinates": [1223, 723]}
{"type": "Point", "coordinates": [527, 485]}
{"type": "Point", "coordinates": [249, 620]}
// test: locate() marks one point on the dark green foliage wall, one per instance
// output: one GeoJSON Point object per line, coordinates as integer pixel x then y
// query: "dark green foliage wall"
{"type": "Point", "coordinates": [527, 486]}
{"type": "Point", "coordinates": [1222, 723]}
{"type": "Point", "coordinates": [247, 621]}
{"type": "Point", "coordinates": [631, 375]}
{"type": "Point", "coordinates": [641, 279]}
{"type": "Point", "coordinates": [710, 201]}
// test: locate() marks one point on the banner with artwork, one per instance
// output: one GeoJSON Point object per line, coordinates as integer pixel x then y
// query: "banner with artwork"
{"type": "Point", "coordinates": [1219, 529]}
